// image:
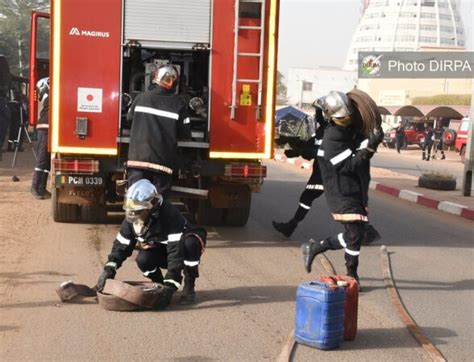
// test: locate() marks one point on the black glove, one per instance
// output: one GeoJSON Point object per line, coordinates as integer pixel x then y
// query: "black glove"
{"type": "Point", "coordinates": [308, 153]}
{"type": "Point", "coordinates": [108, 273]}
{"type": "Point", "coordinates": [165, 295]}
{"type": "Point", "coordinates": [375, 138]}
{"type": "Point", "coordinates": [291, 153]}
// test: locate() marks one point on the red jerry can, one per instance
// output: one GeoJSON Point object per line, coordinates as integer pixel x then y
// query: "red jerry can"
{"type": "Point", "coordinates": [352, 302]}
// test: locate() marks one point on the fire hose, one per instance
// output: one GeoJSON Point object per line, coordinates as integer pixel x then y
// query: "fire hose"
{"type": "Point", "coordinates": [116, 296]}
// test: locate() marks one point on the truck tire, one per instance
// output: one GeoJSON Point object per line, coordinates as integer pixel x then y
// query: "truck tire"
{"type": "Point", "coordinates": [449, 137]}
{"type": "Point", "coordinates": [63, 212]}
{"type": "Point", "coordinates": [462, 153]}
{"type": "Point", "coordinates": [208, 215]}
{"type": "Point", "coordinates": [436, 183]}
{"type": "Point", "coordinates": [237, 217]}
{"type": "Point", "coordinates": [93, 214]}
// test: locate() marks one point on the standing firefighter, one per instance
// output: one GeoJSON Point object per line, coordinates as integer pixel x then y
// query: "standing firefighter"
{"type": "Point", "coordinates": [400, 136]}
{"type": "Point", "coordinates": [159, 119]}
{"type": "Point", "coordinates": [314, 188]}
{"type": "Point", "coordinates": [438, 136]}
{"type": "Point", "coordinates": [167, 241]}
{"type": "Point", "coordinates": [43, 157]}
{"type": "Point", "coordinates": [345, 167]}
{"type": "Point", "coordinates": [428, 142]}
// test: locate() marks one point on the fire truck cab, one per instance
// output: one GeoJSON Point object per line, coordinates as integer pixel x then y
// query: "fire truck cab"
{"type": "Point", "coordinates": [101, 56]}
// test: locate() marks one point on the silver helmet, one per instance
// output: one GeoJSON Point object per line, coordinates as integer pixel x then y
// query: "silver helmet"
{"type": "Point", "coordinates": [335, 105]}
{"type": "Point", "coordinates": [43, 88]}
{"type": "Point", "coordinates": [166, 77]}
{"type": "Point", "coordinates": [139, 200]}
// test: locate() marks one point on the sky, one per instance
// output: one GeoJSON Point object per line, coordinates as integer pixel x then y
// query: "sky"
{"type": "Point", "coordinates": [318, 32]}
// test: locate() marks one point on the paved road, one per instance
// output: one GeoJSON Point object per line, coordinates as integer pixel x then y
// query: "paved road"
{"type": "Point", "coordinates": [409, 162]}
{"type": "Point", "coordinates": [247, 285]}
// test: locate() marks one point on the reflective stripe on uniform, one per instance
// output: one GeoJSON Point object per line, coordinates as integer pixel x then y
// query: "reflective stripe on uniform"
{"type": "Point", "coordinates": [315, 187]}
{"type": "Point", "coordinates": [363, 144]}
{"type": "Point", "coordinates": [154, 166]}
{"type": "Point", "coordinates": [186, 121]}
{"type": "Point", "coordinates": [147, 273]}
{"type": "Point", "coordinates": [122, 240]}
{"type": "Point", "coordinates": [318, 142]}
{"type": "Point", "coordinates": [350, 217]}
{"type": "Point", "coordinates": [175, 237]}
{"type": "Point", "coordinates": [352, 252]}
{"type": "Point", "coordinates": [112, 264]}
{"type": "Point", "coordinates": [42, 126]}
{"type": "Point", "coordinates": [341, 157]}
{"type": "Point", "coordinates": [174, 282]}
{"type": "Point", "coordinates": [340, 237]}
{"type": "Point", "coordinates": [191, 263]}
{"type": "Point", "coordinates": [320, 153]}
{"type": "Point", "coordinates": [157, 112]}
{"type": "Point", "coordinates": [305, 206]}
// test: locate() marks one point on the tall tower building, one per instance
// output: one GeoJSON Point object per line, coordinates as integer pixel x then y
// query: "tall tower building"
{"type": "Point", "coordinates": [406, 25]}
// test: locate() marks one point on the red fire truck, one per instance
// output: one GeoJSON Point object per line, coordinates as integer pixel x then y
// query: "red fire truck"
{"type": "Point", "coordinates": [101, 54]}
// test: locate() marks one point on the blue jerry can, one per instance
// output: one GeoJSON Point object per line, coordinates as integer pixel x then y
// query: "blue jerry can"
{"type": "Point", "coordinates": [319, 320]}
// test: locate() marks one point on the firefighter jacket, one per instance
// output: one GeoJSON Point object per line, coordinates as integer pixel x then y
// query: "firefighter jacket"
{"type": "Point", "coordinates": [429, 134]}
{"type": "Point", "coordinates": [43, 121]}
{"type": "Point", "coordinates": [159, 119]}
{"type": "Point", "coordinates": [345, 166]}
{"type": "Point", "coordinates": [166, 231]}
{"type": "Point", "coordinates": [438, 133]}
{"type": "Point", "coordinates": [309, 149]}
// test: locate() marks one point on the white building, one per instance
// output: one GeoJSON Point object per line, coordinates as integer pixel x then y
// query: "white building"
{"type": "Point", "coordinates": [305, 85]}
{"type": "Point", "coordinates": [406, 25]}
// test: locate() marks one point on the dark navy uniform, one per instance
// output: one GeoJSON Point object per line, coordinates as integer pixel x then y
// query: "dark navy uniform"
{"type": "Point", "coordinates": [438, 136]}
{"type": "Point", "coordinates": [170, 243]}
{"type": "Point", "coordinates": [427, 143]}
{"type": "Point", "coordinates": [159, 119]}
{"type": "Point", "coordinates": [345, 166]}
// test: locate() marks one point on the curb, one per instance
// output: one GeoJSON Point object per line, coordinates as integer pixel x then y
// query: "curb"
{"type": "Point", "coordinates": [420, 199]}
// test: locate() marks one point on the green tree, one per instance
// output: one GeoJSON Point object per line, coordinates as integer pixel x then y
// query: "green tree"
{"type": "Point", "coordinates": [281, 88]}
{"type": "Point", "coordinates": [15, 31]}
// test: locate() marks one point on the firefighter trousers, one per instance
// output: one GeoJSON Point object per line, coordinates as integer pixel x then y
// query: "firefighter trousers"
{"type": "Point", "coordinates": [43, 163]}
{"type": "Point", "coordinates": [161, 180]}
{"type": "Point", "coordinates": [350, 240]}
{"type": "Point", "coordinates": [151, 261]}
{"type": "Point", "coordinates": [314, 188]}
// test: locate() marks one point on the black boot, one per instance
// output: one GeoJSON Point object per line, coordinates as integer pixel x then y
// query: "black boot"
{"type": "Point", "coordinates": [42, 186]}
{"type": "Point", "coordinates": [443, 156]}
{"type": "Point", "coordinates": [310, 250]}
{"type": "Point", "coordinates": [370, 235]}
{"type": "Point", "coordinates": [286, 228]}
{"type": "Point", "coordinates": [188, 296]}
{"type": "Point", "coordinates": [353, 274]}
{"type": "Point", "coordinates": [35, 185]}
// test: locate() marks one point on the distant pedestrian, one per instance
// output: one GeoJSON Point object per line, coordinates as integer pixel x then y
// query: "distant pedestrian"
{"type": "Point", "coordinates": [428, 142]}
{"type": "Point", "coordinates": [438, 136]}
{"type": "Point", "coordinates": [17, 120]}
{"type": "Point", "coordinates": [400, 136]}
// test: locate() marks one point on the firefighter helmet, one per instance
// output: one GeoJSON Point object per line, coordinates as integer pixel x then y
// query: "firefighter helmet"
{"type": "Point", "coordinates": [166, 77]}
{"type": "Point", "coordinates": [335, 105]}
{"type": "Point", "coordinates": [139, 200]}
{"type": "Point", "coordinates": [43, 88]}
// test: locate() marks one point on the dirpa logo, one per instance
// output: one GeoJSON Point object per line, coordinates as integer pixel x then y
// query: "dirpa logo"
{"type": "Point", "coordinates": [90, 33]}
{"type": "Point", "coordinates": [75, 31]}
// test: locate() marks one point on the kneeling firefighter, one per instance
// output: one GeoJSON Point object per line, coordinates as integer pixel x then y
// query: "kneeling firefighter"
{"type": "Point", "coordinates": [166, 241]}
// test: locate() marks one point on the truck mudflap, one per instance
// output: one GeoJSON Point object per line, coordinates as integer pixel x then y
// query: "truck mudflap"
{"type": "Point", "coordinates": [79, 198]}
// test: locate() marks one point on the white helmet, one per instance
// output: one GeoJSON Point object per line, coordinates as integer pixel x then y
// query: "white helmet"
{"type": "Point", "coordinates": [139, 200]}
{"type": "Point", "coordinates": [166, 77]}
{"type": "Point", "coordinates": [43, 88]}
{"type": "Point", "coordinates": [335, 105]}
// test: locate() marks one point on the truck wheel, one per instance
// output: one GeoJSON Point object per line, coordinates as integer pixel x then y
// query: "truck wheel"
{"type": "Point", "coordinates": [93, 213]}
{"type": "Point", "coordinates": [239, 216]}
{"type": "Point", "coordinates": [208, 215]}
{"type": "Point", "coordinates": [449, 137]}
{"type": "Point", "coordinates": [63, 212]}
{"type": "Point", "coordinates": [463, 154]}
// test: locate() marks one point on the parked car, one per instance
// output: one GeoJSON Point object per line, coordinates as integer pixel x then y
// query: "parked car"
{"type": "Point", "coordinates": [413, 135]}
{"type": "Point", "coordinates": [461, 138]}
